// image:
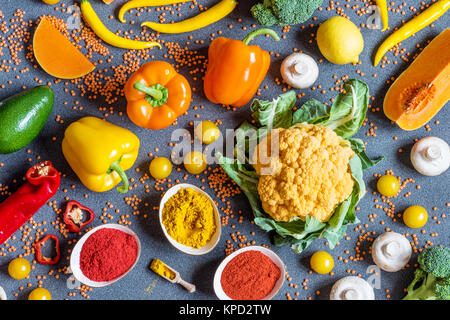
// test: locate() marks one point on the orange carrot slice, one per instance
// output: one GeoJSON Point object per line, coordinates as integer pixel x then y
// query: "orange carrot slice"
{"type": "Point", "coordinates": [57, 55]}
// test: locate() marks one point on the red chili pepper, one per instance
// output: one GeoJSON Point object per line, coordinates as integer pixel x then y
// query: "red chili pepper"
{"type": "Point", "coordinates": [42, 183]}
{"type": "Point", "coordinates": [40, 257]}
{"type": "Point", "coordinates": [74, 214]}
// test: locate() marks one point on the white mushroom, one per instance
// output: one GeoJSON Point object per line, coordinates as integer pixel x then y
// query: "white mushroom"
{"type": "Point", "coordinates": [2, 294]}
{"type": "Point", "coordinates": [352, 288]}
{"type": "Point", "coordinates": [299, 70]}
{"type": "Point", "coordinates": [431, 156]}
{"type": "Point", "coordinates": [391, 251]}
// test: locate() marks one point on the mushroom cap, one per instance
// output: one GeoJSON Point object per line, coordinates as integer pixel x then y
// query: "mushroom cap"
{"type": "Point", "coordinates": [391, 251]}
{"type": "Point", "coordinates": [352, 288]}
{"type": "Point", "coordinates": [2, 294]}
{"type": "Point", "coordinates": [299, 70]}
{"type": "Point", "coordinates": [430, 156]}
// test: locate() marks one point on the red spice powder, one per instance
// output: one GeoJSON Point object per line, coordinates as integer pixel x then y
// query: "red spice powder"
{"type": "Point", "coordinates": [250, 275]}
{"type": "Point", "coordinates": [107, 254]}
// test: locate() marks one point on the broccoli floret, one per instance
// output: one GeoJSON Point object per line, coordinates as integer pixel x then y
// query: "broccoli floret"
{"type": "Point", "coordinates": [284, 12]}
{"type": "Point", "coordinates": [263, 15]}
{"type": "Point", "coordinates": [432, 278]}
{"type": "Point", "coordinates": [436, 260]}
{"type": "Point", "coordinates": [443, 289]}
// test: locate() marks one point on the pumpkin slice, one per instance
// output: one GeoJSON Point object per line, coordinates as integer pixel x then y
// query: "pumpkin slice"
{"type": "Point", "coordinates": [57, 55]}
{"type": "Point", "coordinates": [423, 88]}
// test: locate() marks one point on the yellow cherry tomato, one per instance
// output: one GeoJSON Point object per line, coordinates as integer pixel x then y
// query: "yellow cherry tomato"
{"type": "Point", "coordinates": [415, 217]}
{"type": "Point", "coordinates": [322, 262]}
{"type": "Point", "coordinates": [160, 168]}
{"type": "Point", "coordinates": [195, 162]}
{"type": "Point", "coordinates": [50, 1]}
{"type": "Point", "coordinates": [207, 132]}
{"type": "Point", "coordinates": [19, 268]}
{"type": "Point", "coordinates": [40, 294]}
{"type": "Point", "coordinates": [388, 185]}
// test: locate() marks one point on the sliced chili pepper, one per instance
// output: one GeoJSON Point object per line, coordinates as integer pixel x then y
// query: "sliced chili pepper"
{"type": "Point", "coordinates": [74, 215]}
{"type": "Point", "coordinates": [40, 257]}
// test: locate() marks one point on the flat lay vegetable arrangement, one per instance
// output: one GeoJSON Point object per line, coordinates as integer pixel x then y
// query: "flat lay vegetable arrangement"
{"type": "Point", "coordinates": [243, 150]}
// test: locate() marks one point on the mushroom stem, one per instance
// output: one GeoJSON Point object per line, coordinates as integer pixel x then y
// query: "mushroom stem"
{"type": "Point", "coordinates": [391, 249]}
{"type": "Point", "coordinates": [352, 288]}
{"type": "Point", "coordinates": [430, 156]}
{"type": "Point", "coordinates": [433, 152]}
{"type": "Point", "coordinates": [299, 68]}
{"type": "Point", "coordinates": [351, 294]}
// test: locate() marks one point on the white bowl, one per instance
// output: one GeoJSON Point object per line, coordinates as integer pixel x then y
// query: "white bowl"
{"type": "Point", "coordinates": [2, 294]}
{"type": "Point", "coordinates": [186, 249]}
{"type": "Point", "coordinates": [75, 256]}
{"type": "Point", "coordinates": [272, 255]}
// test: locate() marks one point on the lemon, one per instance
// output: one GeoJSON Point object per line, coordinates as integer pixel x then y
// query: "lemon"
{"type": "Point", "coordinates": [340, 40]}
{"type": "Point", "coordinates": [50, 1]}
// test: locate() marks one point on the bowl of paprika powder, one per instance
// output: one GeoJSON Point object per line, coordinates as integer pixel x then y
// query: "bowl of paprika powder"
{"type": "Point", "coordinates": [104, 255]}
{"type": "Point", "coordinates": [250, 273]}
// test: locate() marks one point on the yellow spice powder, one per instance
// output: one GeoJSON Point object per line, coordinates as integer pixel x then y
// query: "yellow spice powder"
{"type": "Point", "coordinates": [160, 268]}
{"type": "Point", "coordinates": [189, 218]}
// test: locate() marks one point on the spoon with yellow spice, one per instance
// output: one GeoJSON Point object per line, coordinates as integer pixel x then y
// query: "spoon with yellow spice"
{"type": "Point", "coordinates": [170, 274]}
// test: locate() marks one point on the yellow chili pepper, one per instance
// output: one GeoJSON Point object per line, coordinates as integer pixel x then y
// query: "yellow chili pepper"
{"type": "Point", "coordinates": [434, 12]}
{"type": "Point", "coordinates": [145, 3]}
{"type": "Point", "coordinates": [210, 16]}
{"type": "Point", "coordinates": [103, 33]}
{"type": "Point", "coordinates": [382, 5]}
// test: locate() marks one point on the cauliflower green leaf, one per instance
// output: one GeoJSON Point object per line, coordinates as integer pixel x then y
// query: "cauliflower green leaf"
{"type": "Point", "coordinates": [276, 113]}
{"type": "Point", "coordinates": [345, 116]}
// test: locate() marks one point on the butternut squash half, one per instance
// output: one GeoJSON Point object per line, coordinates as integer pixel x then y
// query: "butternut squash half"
{"type": "Point", "coordinates": [423, 88]}
{"type": "Point", "coordinates": [57, 55]}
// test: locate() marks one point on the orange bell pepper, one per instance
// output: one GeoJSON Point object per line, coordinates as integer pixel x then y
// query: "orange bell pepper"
{"type": "Point", "coordinates": [157, 95]}
{"type": "Point", "coordinates": [235, 69]}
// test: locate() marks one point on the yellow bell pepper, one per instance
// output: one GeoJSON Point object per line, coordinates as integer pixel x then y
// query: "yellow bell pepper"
{"type": "Point", "coordinates": [99, 152]}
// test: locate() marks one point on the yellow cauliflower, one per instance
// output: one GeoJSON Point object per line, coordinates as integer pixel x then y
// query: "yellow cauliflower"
{"type": "Point", "coordinates": [310, 175]}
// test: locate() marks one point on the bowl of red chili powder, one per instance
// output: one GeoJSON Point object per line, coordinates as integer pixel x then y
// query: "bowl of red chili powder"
{"type": "Point", "coordinates": [250, 273]}
{"type": "Point", "coordinates": [104, 255]}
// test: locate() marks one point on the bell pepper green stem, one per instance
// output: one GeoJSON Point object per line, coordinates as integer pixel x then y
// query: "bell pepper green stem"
{"type": "Point", "coordinates": [115, 166]}
{"type": "Point", "coordinates": [258, 32]}
{"type": "Point", "coordinates": [156, 94]}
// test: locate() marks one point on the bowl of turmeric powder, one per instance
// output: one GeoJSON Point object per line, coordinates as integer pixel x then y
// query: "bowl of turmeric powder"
{"type": "Point", "coordinates": [190, 219]}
